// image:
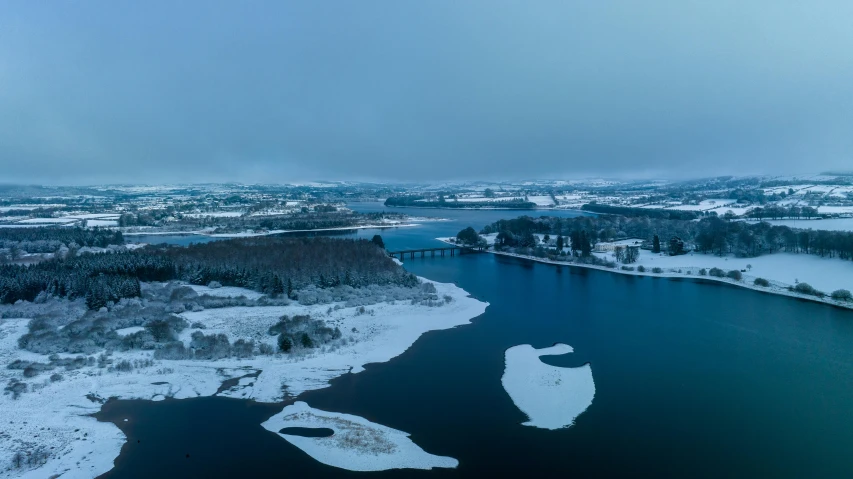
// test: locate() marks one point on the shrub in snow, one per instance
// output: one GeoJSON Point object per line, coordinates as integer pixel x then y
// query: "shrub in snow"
{"type": "Point", "coordinates": [735, 275]}
{"type": "Point", "coordinates": [212, 346]}
{"type": "Point", "coordinates": [138, 340]}
{"type": "Point", "coordinates": [657, 270]}
{"type": "Point", "coordinates": [285, 344]}
{"type": "Point", "coordinates": [761, 282]}
{"type": "Point", "coordinates": [265, 349]}
{"type": "Point", "coordinates": [805, 288]}
{"type": "Point", "coordinates": [641, 269]}
{"type": "Point", "coordinates": [124, 366]}
{"type": "Point", "coordinates": [55, 377]}
{"type": "Point", "coordinates": [627, 268]}
{"type": "Point", "coordinates": [15, 388]}
{"type": "Point", "coordinates": [29, 459]}
{"type": "Point", "coordinates": [303, 331]}
{"type": "Point", "coordinates": [214, 285]}
{"type": "Point", "coordinates": [841, 295]}
{"type": "Point", "coordinates": [716, 272]}
{"type": "Point", "coordinates": [174, 350]}
{"type": "Point", "coordinates": [182, 293]}
{"type": "Point", "coordinates": [243, 349]}
{"type": "Point", "coordinates": [703, 272]}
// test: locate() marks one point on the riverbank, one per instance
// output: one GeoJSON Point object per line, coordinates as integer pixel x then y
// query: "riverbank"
{"type": "Point", "coordinates": [680, 267]}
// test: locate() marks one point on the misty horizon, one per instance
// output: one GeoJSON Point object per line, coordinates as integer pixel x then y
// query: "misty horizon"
{"type": "Point", "coordinates": [156, 93]}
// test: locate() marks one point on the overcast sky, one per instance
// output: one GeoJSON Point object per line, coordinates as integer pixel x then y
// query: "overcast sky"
{"type": "Point", "coordinates": [193, 91]}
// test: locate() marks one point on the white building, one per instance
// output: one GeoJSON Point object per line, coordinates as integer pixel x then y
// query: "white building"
{"type": "Point", "coordinates": [609, 246]}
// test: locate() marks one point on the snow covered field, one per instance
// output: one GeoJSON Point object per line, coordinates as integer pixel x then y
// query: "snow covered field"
{"type": "Point", "coordinates": [831, 224]}
{"type": "Point", "coordinates": [53, 416]}
{"type": "Point", "coordinates": [357, 444]}
{"type": "Point", "coordinates": [825, 274]}
{"type": "Point", "coordinates": [551, 397]}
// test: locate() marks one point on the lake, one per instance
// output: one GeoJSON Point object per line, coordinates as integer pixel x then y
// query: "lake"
{"type": "Point", "coordinates": [692, 380]}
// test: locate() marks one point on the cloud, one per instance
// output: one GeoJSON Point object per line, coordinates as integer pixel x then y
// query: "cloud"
{"type": "Point", "coordinates": [287, 91]}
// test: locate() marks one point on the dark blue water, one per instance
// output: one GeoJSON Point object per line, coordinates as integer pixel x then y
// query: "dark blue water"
{"type": "Point", "coordinates": [692, 380]}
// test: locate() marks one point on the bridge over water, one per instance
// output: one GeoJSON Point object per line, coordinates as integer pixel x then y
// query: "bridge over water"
{"type": "Point", "coordinates": [446, 250]}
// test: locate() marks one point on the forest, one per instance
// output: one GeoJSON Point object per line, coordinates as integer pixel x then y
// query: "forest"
{"type": "Point", "coordinates": [49, 240]}
{"type": "Point", "coordinates": [708, 235]}
{"type": "Point", "coordinates": [271, 265]}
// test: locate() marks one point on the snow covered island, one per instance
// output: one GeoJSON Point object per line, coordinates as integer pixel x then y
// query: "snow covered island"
{"type": "Point", "coordinates": [48, 430]}
{"type": "Point", "coordinates": [356, 444]}
{"type": "Point", "coordinates": [550, 396]}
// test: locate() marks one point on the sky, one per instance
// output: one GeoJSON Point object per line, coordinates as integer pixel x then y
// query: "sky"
{"type": "Point", "coordinates": [107, 91]}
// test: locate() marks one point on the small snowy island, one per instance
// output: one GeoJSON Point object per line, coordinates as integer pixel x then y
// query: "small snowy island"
{"type": "Point", "coordinates": [356, 443]}
{"type": "Point", "coordinates": [550, 396]}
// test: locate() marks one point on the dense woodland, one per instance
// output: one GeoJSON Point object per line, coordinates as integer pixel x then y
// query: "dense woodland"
{"type": "Point", "coordinates": [441, 202]}
{"type": "Point", "coordinates": [49, 240]}
{"type": "Point", "coordinates": [271, 265]}
{"type": "Point", "coordinates": [708, 235]}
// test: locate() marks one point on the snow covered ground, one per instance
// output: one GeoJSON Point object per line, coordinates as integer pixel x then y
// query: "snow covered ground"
{"type": "Point", "coordinates": [704, 205]}
{"type": "Point", "coordinates": [54, 414]}
{"type": "Point", "coordinates": [541, 201]}
{"type": "Point", "coordinates": [825, 274]}
{"type": "Point", "coordinates": [357, 444]}
{"type": "Point", "coordinates": [550, 396]}
{"type": "Point", "coordinates": [845, 210]}
{"type": "Point", "coordinates": [37, 221]}
{"type": "Point", "coordinates": [831, 224]}
{"type": "Point", "coordinates": [226, 292]}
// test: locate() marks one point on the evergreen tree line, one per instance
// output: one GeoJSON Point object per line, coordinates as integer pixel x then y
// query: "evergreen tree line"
{"type": "Point", "coordinates": [274, 265]}
{"type": "Point", "coordinates": [708, 235]}
{"type": "Point", "coordinates": [270, 265]}
{"type": "Point", "coordinates": [48, 239]}
{"type": "Point", "coordinates": [98, 277]}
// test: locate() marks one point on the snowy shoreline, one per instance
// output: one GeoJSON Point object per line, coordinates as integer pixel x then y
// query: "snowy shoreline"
{"type": "Point", "coordinates": [56, 417]}
{"type": "Point", "coordinates": [692, 273]}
